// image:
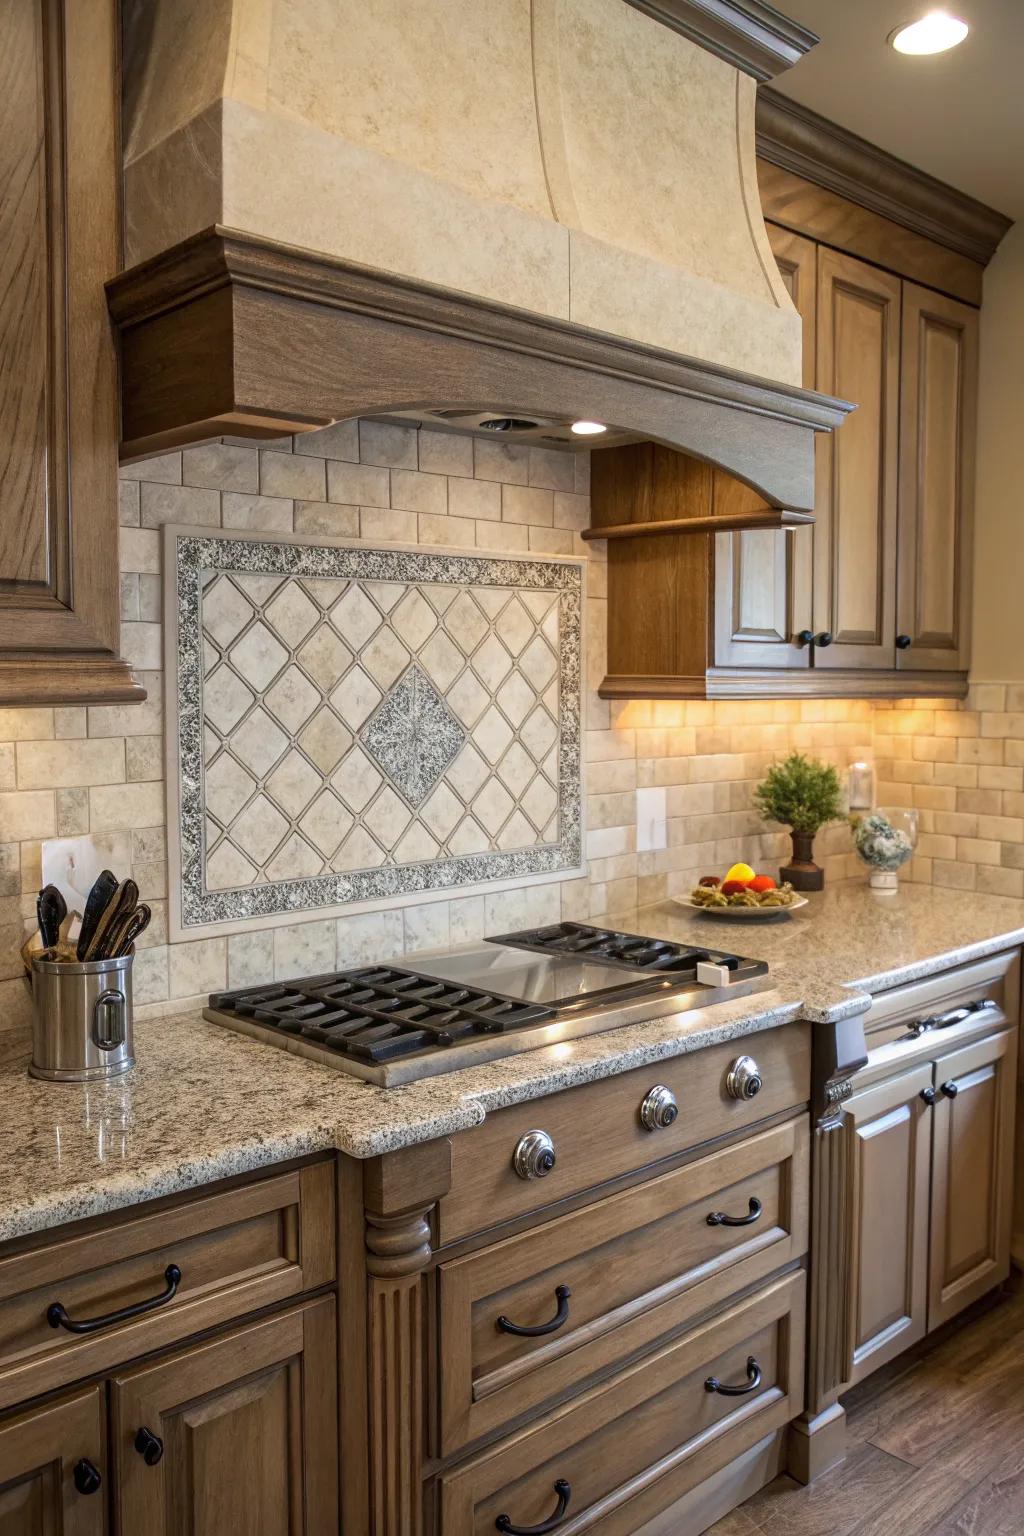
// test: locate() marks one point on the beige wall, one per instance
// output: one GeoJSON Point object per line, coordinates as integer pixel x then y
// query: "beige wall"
{"type": "Point", "coordinates": [999, 545]}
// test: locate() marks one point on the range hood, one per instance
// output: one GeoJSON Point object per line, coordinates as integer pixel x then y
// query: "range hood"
{"type": "Point", "coordinates": [519, 210]}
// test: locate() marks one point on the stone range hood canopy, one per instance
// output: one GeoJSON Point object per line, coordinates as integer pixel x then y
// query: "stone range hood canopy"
{"type": "Point", "coordinates": [537, 207]}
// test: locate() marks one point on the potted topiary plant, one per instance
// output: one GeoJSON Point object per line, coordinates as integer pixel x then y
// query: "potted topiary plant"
{"type": "Point", "coordinates": [803, 795]}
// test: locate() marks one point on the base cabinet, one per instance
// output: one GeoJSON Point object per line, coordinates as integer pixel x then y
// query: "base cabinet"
{"type": "Point", "coordinates": [233, 1437]}
{"type": "Point", "coordinates": [51, 1482]}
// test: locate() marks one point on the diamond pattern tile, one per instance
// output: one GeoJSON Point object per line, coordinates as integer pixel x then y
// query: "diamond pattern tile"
{"type": "Point", "coordinates": [350, 724]}
{"type": "Point", "coordinates": [413, 736]}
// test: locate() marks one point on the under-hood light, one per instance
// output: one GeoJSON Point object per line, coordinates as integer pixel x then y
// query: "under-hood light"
{"type": "Point", "coordinates": [934, 33]}
{"type": "Point", "coordinates": [588, 428]}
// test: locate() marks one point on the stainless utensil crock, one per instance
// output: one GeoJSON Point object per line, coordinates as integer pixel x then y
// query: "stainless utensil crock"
{"type": "Point", "coordinates": [82, 1030]}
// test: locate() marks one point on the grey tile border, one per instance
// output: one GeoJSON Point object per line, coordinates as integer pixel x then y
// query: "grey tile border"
{"type": "Point", "coordinates": [189, 554]}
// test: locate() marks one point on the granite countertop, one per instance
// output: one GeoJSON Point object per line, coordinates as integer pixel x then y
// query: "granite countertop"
{"type": "Point", "coordinates": [204, 1103]}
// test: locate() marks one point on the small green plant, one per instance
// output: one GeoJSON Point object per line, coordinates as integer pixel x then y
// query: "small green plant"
{"type": "Point", "coordinates": [800, 793]}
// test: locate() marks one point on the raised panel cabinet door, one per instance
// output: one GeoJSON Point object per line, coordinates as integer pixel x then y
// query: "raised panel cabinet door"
{"type": "Point", "coordinates": [59, 177]}
{"type": "Point", "coordinates": [855, 504]}
{"type": "Point", "coordinates": [763, 576]}
{"type": "Point", "coordinates": [236, 1436]}
{"type": "Point", "coordinates": [938, 423]}
{"type": "Point", "coordinates": [972, 1173]}
{"type": "Point", "coordinates": [52, 1469]}
{"type": "Point", "coordinates": [892, 1162]}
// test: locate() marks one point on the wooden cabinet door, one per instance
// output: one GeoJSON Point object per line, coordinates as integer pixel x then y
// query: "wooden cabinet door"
{"type": "Point", "coordinates": [42, 1452]}
{"type": "Point", "coordinates": [938, 418]}
{"type": "Point", "coordinates": [763, 576]}
{"type": "Point", "coordinates": [855, 505]}
{"type": "Point", "coordinates": [59, 178]}
{"type": "Point", "coordinates": [972, 1173]}
{"type": "Point", "coordinates": [892, 1135]}
{"type": "Point", "coordinates": [242, 1432]}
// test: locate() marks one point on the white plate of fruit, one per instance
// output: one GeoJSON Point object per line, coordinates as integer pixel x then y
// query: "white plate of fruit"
{"type": "Point", "coordinates": [742, 893]}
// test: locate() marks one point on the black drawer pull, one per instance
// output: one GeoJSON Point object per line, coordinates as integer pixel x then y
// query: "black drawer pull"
{"type": "Point", "coordinates": [720, 1219]}
{"type": "Point", "coordinates": [929, 1095]}
{"type": "Point", "coordinates": [149, 1446]}
{"type": "Point", "coordinates": [751, 1385]}
{"type": "Point", "coordinates": [58, 1318]}
{"type": "Point", "coordinates": [950, 1090]}
{"type": "Point", "coordinates": [86, 1477]}
{"type": "Point", "coordinates": [562, 1294]}
{"type": "Point", "coordinates": [564, 1492]}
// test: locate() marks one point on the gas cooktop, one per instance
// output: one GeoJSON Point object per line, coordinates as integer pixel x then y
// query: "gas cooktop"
{"type": "Point", "coordinates": [393, 1024]}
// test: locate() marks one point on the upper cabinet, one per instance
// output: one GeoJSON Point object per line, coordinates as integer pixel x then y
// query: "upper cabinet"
{"type": "Point", "coordinates": [59, 177]}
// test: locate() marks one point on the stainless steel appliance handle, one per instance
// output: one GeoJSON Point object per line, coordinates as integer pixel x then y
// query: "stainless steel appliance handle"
{"type": "Point", "coordinates": [954, 1016]}
{"type": "Point", "coordinates": [109, 1020]}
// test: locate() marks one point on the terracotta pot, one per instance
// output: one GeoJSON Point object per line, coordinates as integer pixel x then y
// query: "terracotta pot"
{"type": "Point", "coordinates": [802, 872]}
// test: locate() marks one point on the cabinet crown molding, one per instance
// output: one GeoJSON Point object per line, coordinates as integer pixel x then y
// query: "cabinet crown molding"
{"type": "Point", "coordinates": [793, 137]}
{"type": "Point", "coordinates": [751, 36]}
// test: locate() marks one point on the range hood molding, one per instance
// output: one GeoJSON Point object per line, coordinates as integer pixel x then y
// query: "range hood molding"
{"type": "Point", "coordinates": [230, 333]}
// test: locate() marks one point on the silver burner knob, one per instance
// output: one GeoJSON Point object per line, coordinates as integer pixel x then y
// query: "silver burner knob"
{"type": "Point", "coordinates": [534, 1157]}
{"type": "Point", "coordinates": [744, 1080]}
{"type": "Point", "coordinates": [659, 1110]}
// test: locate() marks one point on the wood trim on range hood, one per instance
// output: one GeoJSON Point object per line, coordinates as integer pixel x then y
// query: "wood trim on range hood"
{"type": "Point", "coordinates": [228, 333]}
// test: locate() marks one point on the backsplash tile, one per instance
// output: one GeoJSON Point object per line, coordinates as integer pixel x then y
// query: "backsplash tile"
{"type": "Point", "coordinates": [350, 725]}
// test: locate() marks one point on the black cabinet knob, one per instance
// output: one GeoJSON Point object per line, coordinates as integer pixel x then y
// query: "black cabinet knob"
{"type": "Point", "coordinates": [149, 1446]}
{"type": "Point", "coordinates": [86, 1477]}
{"type": "Point", "coordinates": [929, 1095]}
{"type": "Point", "coordinates": [950, 1090]}
{"type": "Point", "coordinates": [903, 642]}
{"type": "Point", "coordinates": [823, 639]}
{"type": "Point", "coordinates": [803, 637]}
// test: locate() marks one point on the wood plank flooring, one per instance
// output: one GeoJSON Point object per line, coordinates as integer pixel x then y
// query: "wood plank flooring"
{"type": "Point", "coordinates": [936, 1446]}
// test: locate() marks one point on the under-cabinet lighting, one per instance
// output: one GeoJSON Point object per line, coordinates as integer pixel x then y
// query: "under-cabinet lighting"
{"type": "Point", "coordinates": [934, 33]}
{"type": "Point", "coordinates": [588, 428]}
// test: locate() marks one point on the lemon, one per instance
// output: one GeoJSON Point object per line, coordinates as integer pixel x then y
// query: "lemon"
{"type": "Point", "coordinates": [741, 872]}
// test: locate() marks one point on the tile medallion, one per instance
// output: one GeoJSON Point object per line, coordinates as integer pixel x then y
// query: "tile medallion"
{"type": "Point", "coordinates": [353, 724]}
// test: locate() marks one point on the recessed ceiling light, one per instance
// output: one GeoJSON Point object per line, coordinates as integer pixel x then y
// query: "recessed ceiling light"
{"type": "Point", "coordinates": [588, 428]}
{"type": "Point", "coordinates": [934, 33]}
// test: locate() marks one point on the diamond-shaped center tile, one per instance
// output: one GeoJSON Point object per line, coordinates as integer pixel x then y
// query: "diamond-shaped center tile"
{"type": "Point", "coordinates": [413, 735]}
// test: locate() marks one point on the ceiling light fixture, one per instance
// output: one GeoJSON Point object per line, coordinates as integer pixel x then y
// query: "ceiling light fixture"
{"type": "Point", "coordinates": [588, 428]}
{"type": "Point", "coordinates": [934, 33]}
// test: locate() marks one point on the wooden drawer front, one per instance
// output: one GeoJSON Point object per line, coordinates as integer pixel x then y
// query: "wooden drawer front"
{"type": "Point", "coordinates": [632, 1446]}
{"type": "Point", "coordinates": [597, 1132]}
{"type": "Point", "coordinates": [238, 1250]}
{"type": "Point", "coordinates": [996, 978]}
{"type": "Point", "coordinates": [638, 1265]}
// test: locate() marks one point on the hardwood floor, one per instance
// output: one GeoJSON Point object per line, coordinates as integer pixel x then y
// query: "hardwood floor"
{"type": "Point", "coordinates": [936, 1446]}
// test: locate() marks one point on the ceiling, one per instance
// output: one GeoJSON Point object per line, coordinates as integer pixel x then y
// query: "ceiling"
{"type": "Point", "coordinates": [958, 115]}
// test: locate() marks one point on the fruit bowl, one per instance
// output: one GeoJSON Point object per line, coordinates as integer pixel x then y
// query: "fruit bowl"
{"type": "Point", "coordinates": [744, 914]}
{"type": "Point", "coordinates": [742, 894]}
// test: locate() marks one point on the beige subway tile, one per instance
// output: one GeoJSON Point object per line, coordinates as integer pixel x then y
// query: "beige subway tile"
{"type": "Point", "coordinates": [1013, 752]}
{"type": "Point", "coordinates": [305, 949]}
{"type": "Point", "coordinates": [524, 504]}
{"type": "Point", "coordinates": [129, 510]}
{"type": "Point", "coordinates": [292, 475]}
{"type": "Point", "coordinates": [980, 802]}
{"type": "Point", "coordinates": [358, 485]}
{"type": "Point", "coordinates": [140, 550]}
{"type": "Point", "coordinates": [935, 797]}
{"type": "Point", "coordinates": [148, 843]}
{"type": "Point", "coordinates": [258, 514]}
{"type": "Point", "coordinates": [26, 724]}
{"type": "Point", "coordinates": [250, 958]}
{"type": "Point", "coordinates": [427, 926]}
{"type": "Point", "coordinates": [164, 468]}
{"type": "Point", "coordinates": [143, 719]}
{"type": "Point", "coordinates": [179, 504]}
{"type": "Point", "coordinates": [8, 771]}
{"type": "Point", "coordinates": [612, 775]}
{"type": "Point", "coordinates": [1014, 696]}
{"type": "Point", "coordinates": [1008, 829]}
{"type": "Point", "coordinates": [987, 696]}
{"type": "Point", "coordinates": [27, 814]}
{"type": "Point", "coordinates": [502, 537]}
{"type": "Point", "coordinates": [114, 807]}
{"type": "Point", "coordinates": [934, 846]}
{"type": "Point", "coordinates": [960, 775]}
{"type": "Point", "coordinates": [1000, 882]}
{"type": "Point", "coordinates": [387, 445]}
{"type": "Point", "coordinates": [978, 850]}
{"type": "Point", "coordinates": [507, 462]}
{"type": "Point", "coordinates": [381, 523]}
{"type": "Point", "coordinates": [129, 604]}
{"type": "Point", "coordinates": [474, 498]}
{"type": "Point", "coordinates": [445, 453]}
{"type": "Point", "coordinates": [67, 764]}
{"type": "Point", "coordinates": [1002, 778]}
{"type": "Point", "coordinates": [340, 441]}
{"type": "Point", "coordinates": [552, 541]}
{"type": "Point", "coordinates": [151, 599]}
{"type": "Point", "coordinates": [950, 724]}
{"type": "Point", "coordinates": [150, 981]}
{"type": "Point", "coordinates": [324, 518]}
{"type": "Point", "coordinates": [221, 467]}
{"type": "Point", "coordinates": [196, 966]}
{"type": "Point", "coordinates": [72, 812]}
{"type": "Point", "coordinates": [142, 645]}
{"type": "Point", "coordinates": [1003, 724]}
{"type": "Point", "coordinates": [954, 875]}
{"type": "Point", "coordinates": [980, 750]}
{"type": "Point", "coordinates": [571, 511]}
{"type": "Point", "coordinates": [450, 531]}
{"type": "Point", "coordinates": [144, 758]}
{"type": "Point", "coordinates": [366, 937]}
{"type": "Point", "coordinates": [31, 863]}
{"type": "Point", "coordinates": [553, 469]}
{"type": "Point", "coordinates": [412, 491]}
{"type": "Point", "coordinates": [70, 722]}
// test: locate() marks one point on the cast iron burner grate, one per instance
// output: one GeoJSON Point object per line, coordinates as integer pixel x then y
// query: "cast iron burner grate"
{"type": "Point", "coordinates": [379, 1013]}
{"type": "Point", "coordinates": [628, 950]}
